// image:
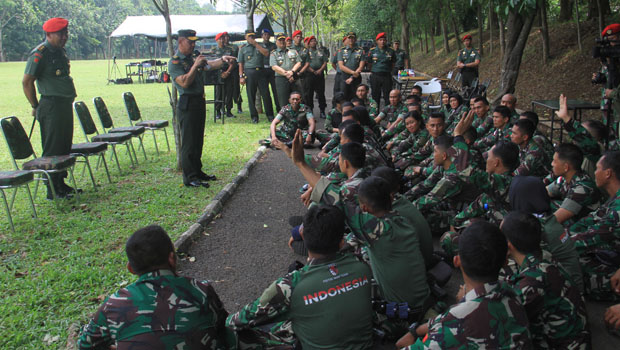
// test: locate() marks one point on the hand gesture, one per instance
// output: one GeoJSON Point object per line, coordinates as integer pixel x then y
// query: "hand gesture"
{"type": "Point", "coordinates": [615, 282]}
{"type": "Point", "coordinates": [229, 59]}
{"type": "Point", "coordinates": [612, 316]}
{"type": "Point", "coordinates": [200, 61]}
{"type": "Point", "coordinates": [562, 113]}
{"type": "Point", "coordinates": [298, 148]}
{"type": "Point", "coordinates": [464, 123]}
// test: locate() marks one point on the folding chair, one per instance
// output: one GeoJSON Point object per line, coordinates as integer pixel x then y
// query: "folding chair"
{"type": "Point", "coordinates": [87, 149]}
{"type": "Point", "coordinates": [432, 89]}
{"type": "Point", "coordinates": [21, 148]}
{"type": "Point", "coordinates": [14, 180]}
{"type": "Point", "coordinates": [133, 112]}
{"type": "Point", "coordinates": [112, 139]}
{"type": "Point", "coordinates": [108, 124]}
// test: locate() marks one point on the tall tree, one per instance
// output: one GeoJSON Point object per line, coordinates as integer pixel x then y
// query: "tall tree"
{"type": "Point", "coordinates": [404, 36]}
{"type": "Point", "coordinates": [544, 29]}
{"type": "Point", "coordinates": [566, 10]}
{"type": "Point", "coordinates": [12, 10]}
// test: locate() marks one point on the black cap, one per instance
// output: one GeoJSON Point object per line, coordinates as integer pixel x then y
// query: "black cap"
{"type": "Point", "coordinates": [188, 33]}
{"type": "Point", "coordinates": [350, 34]}
{"type": "Point", "coordinates": [280, 36]}
{"type": "Point", "coordinates": [249, 32]}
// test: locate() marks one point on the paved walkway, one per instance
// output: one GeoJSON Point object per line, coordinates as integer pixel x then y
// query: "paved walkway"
{"type": "Point", "coordinates": [245, 248]}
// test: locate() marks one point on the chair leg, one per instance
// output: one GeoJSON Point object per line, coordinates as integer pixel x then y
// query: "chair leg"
{"type": "Point", "coordinates": [135, 156]}
{"type": "Point", "coordinates": [77, 194]}
{"type": "Point", "coordinates": [34, 211]}
{"type": "Point", "coordinates": [142, 146]}
{"type": "Point", "coordinates": [118, 165]}
{"type": "Point", "coordinates": [8, 211]}
{"type": "Point", "coordinates": [90, 171]}
{"type": "Point", "coordinates": [105, 165]}
{"type": "Point", "coordinates": [51, 186]}
{"type": "Point", "coordinates": [129, 145]}
{"type": "Point", "coordinates": [155, 141]}
{"type": "Point", "coordinates": [167, 143]}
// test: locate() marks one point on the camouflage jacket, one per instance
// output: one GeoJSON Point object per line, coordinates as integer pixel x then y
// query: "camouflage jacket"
{"type": "Point", "coordinates": [492, 204]}
{"type": "Point", "coordinates": [290, 119]}
{"type": "Point", "coordinates": [494, 135]}
{"type": "Point", "coordinates": [338, 193]}
{"type": "Point", "coordinates": [162, 310]}
{"type": "Point", "coordinates": [600, 229]}
{"type": "Point", "coordinates": [533, 160]}
{"type": "Point", "coordinates": [582, 138]}
{"type": "Point", "coordinates": [579, 196]}
{"type": "Point", "coordinates": [392, 113]}
{"type": "Point", "coordinates": [333, 120]}
{"type": "Point", "coordinates": [555, 308]}
{"type": "Point", "coordinates": [454, 117]}
{"type": "Point", "coordinates": [406, 142]}
{"type": "Point", "coordinates": [483, 125]}
{"type": "Point", "coordinates": [488, 317]}
{"type": "Point", "coordinates": [544, 144]}
{"type": "Point", "coordinates": [372, 107]}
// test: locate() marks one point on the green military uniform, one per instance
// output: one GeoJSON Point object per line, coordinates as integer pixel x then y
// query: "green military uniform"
{"type": "Point", "coordinates": [315, 83]}
{"type": "Point", "coordinates": [382, 61]}
{"type": "Point", "coordinates": [554, 306]}
{"type": "Point", "coordinates": [268, 74]}
{"type": "Point", "coordinates": [454, 117]}
{"type": "Point", "coordinates": [285, 59]}
{"type": "Point", "coordinates": [372, 106]}
{"type": "Point", "coordinates": [468, 74]}
{"type": "Point", "coordinates": [421, 228]}
{"type": "Point", "coordinates": [579, 196]}
{"type": "Point", "coordinates": [303, 55]}
{"type": "Point", "coordinates": [391, 113]}
{"type": "Point", "coordinates": [253, 67]}
{"type": "Point", "coordinates": [533, 161]}
{"type": "Point", "coordinates": [324, 305]}
{"type": "Point", "coordinates": [488, 317]}
{"type": "Point", "coordinates": [290, 120]}
{"type": "Point", "coordinates": [191, 111]}
{"type": "Point", "coordinates": [482, 124]}
{"type": "Point", "coordinates": [225, 91]}
{"type": "Point", "coordinates": [399, 64]}
{"type": "Point", "coordinates": [494, 135]}
{"type": "Point", "coordinates": [160, 311]}
{"type": "Point", "coordinates": [351, 58]}
{"type": "Point", "coordinates": [594, 234]}
{"type": "Point", "coordinates": [50, 66]}
{"type": "Point", "coordinates": [406, 141]}
{"type": "Point", "coordinates": [338, 77]}
{"type": "Point", "coordinates": [236, 86]}
{"type": "Point", "coordinates": [332, 121]}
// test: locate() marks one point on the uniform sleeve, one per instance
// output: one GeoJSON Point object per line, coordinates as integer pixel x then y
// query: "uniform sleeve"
{"type": "Point", "coordinates": [240, 56]}
{"type": "Point", "coordinates": [477, 57]}
{"type": "Point", "coordinates": [32, 65]}
{"type": "Point", "coordinates": [426, 186]}
{"type": "Point", "coordinates": [459, 58]}
{"type": "Point", "coordinates": [272, 59]}
{"type": "Point", "coordinates": [447, 187]}
{"type": "Point", "coordinates": [339, 57]}
{"type": "Point", "coordinates": [577, 196]}
{"type": "Point", "coordinates": [96, 334]}
{"type": "Point", "coordinates": [592, 232]}
{"type": "Point", "coordinates": [584, 140]}
{"type": "Point", "coordinates": [175, 68]}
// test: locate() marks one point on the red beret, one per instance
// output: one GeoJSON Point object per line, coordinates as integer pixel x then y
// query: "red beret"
{"type": "Point", "coordinates": [380, 35]}
{"type": "Point", "coordinates": [466, 36]}
{"type": "Point", "coordinates": [296, 33]}
{"type": "Point", "coordinates": [219, 35]}
{"type": "Point", "coordinates": [288, 38]}
{"type": "Point", "coordinates": [611, 29]}
{"type": "Point", "coordinates": [345, 38]}
{"type": "Point", "coordinates": [306, 39]}
{"type": "Point", "coordinates": [310, 38]}
{"type": "Point", "coordinates": [55, 24]}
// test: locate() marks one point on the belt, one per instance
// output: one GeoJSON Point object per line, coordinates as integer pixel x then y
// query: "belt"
{"type": "Point", "coordinates": [50, 97]}
{"type": "Point", "coordinates": [257, 68]}
{"type": "Point", "coordinates": [383, 74]}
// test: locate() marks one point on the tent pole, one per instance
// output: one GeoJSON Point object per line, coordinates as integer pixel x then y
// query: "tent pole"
{"type": "Point", "coordinates": [109, 53]}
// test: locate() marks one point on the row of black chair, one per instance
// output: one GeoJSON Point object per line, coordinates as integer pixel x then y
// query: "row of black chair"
{"type": "Point", "coordinates": [39, 168]}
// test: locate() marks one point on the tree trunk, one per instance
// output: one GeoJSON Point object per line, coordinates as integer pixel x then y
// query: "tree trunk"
{"type": "Point", "coordinates": [544, 30]}
{"type": "Point", "coordinates": [2, 54]}
{"type": "Point", "coordinates": [425, 40]}
{"type": "Point", "coordinates": [566, 10]}
{"type": "Point", "coordinates": [404, 37]}
{"type": "Point", "coordinates": [289, 22]}
{"type": "Point", "coordinates": [455, 26]}
{"type": "Point", "coordinates": [519, 26]}
{"type": "Point", "coordinates": [480, 25]}
{"type": "Point", "coordinates": [502, 36]}
{"type": "Point", "coordinates": [578, 25]}
{"type": "Point", "coordinates": [249, 14]}
{"type": "Point", "coordinates": [491, 13]}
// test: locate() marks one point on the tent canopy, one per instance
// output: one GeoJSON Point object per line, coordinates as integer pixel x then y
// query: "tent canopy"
{"type": "Point", "coordinates": [206, 26]}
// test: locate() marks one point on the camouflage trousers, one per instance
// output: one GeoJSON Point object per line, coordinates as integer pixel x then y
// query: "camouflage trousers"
{"type": "Point", "coordinates": [439, 218]}
{"type": "Point", "coordinates": [285, 136]}
{"type": "Point", "coordinates": [324, 136]}
{"type": "Point", "coordinates": [597, 277]}
{"type": "Point", "coordinates": [278, 336]}
{"type": "Point", "coordinates": [449, 242]}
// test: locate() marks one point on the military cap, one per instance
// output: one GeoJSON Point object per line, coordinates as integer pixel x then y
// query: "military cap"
{"type": "Point", "coordinates": [396, 41]}
{"type": "Point", "coordinates": [266, 30]}
{"type": "Point", "coordinates": [280, 36]}
{"type": "Point", "coordinates": [350, 34]}
{"type": "Point", "coordinates": [380, 35]}
{"type": "Point", "coordinates": [219, 35]}
{"type": "Point", "coordinates": [296, 33]}
{"type": "Point", "coordinates": [55, 24]}
{"type": "Point", "coordinates": [189, 34]}
{"type": "Point", "coordinates": [310, 38]}
{"type": "Point", "coordinates": [288, 38]}
{"type": "Point", "coordinates": [611, 29]}
{"type": "Point", "coordinates": [466, 36]}
{"type": "Point", "coordinates": [249, 32]}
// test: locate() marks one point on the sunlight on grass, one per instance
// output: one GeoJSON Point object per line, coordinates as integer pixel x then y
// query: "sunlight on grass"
{"type": "Point", "coordinates": [55, 269]}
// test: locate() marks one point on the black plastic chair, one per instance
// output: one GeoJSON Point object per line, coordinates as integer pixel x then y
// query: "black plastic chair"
{"type": "Point", "coordinates": [133, 112]}
{"type": "Point", "coordinates": [21, 149]}
{"type": "Point", "coordinates": [108, 124]}
{"type": "Point", "coordinates": [112, 139]}
{"type": "Point", "coordinates": [14, 180]}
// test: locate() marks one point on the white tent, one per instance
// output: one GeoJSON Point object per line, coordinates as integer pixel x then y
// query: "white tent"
{"type": "Point", "coordinates": [206, 26]}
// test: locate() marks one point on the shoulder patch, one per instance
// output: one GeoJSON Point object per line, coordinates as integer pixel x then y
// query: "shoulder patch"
{"type": "Point", "coordinates": [175, 61]}
{"type": "Point", "coordinates": [42, 48]}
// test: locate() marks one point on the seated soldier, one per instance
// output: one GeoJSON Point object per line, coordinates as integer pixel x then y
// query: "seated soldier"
{"type": "Point", "coordinates": [533, 160]}
{"type": "Point", "coordinates": [554, 305]}
{"type": "Point", "coordinates": [445, 103]}
{"type": "Point", "coordinates": [333, 119]}
{"type": "Point", "coordinates": [357, 102]}
{"type": "Point", "coordinates": [573, 193]}
{"type": "Point", "coordinates": [323, 162]}
{"type": "Point", "coordinates": [367, 101]}
{"type": "Point", "coordinates": [483, 122]}
{"type": "Point", "coordinates": [597, 235]}
{"type": "Point", "coordinates": [488, 314]}
{"type": "Point", "coordinates": [501, 130]}
{"type": "Point", "coordinates": [161, 310]}
{"type": "Point", "coordinates": [541, 140]}
{"type": "Point", "coordinates": [390, 113]}
{"type": "Point", "coordinates": [510, 101]}
{"type": "Point", "coordinates": [413, 137]}
{"type": "Point", "coordinates": [457, 111]}
{"type": "Point", "coordinates": [293, 116]}
{"type": "Point", "coordinates": [325, 304]}
{"type": "Point", "coordinates": [413, 161]}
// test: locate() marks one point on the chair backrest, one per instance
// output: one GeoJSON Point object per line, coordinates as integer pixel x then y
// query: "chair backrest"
{"type": "Point", "coordinates": [132, 107]}
{"type": "Point", "coordinates": [86, 120]}
{"type": "Point", "coordinates": [102, 111]}
{"type": "Point", "coordinates": [429, 87]}
{"type": "Point", "coordinates": [16, 139]}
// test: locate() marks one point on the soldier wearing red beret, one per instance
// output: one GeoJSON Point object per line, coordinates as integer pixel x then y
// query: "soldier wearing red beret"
{"type": "Point", "coordinates": [468, 61]}
{"type": "Point", "coordinates": [315, 78]}
{"type": "Point", "coordinates": [381, 58]}
{"type": "Point", "coordinates": [48, 65]}
{"type": "Point", "coordinates": [224, 92]}
{"type": "Point", "coordinates": [298, 45]}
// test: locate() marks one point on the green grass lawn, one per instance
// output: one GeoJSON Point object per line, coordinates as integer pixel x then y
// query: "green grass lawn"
{"type": "Point", "coordinates": [55, 270]}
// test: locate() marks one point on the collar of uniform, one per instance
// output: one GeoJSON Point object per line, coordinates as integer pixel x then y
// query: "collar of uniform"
{"type": "Point", "coordinates": [181, 56]}
{"type": "Point", "coordinates": [49, 46]}
{"type": "Point", "coordinates": [281, 50]}
{"type": "Point", "coordinates": [156, 273]}
{"type": "Point", "coordinates": [329, 258]}
{"type": "Point", "coordinates": [480, 291]}
{"type": "Point", "coordinates": [529, 260]}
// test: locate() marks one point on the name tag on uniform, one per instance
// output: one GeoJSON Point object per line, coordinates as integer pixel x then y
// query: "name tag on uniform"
{"type": "Point", "coordinates": [249, 57]}
{"type": "Point", "coordinates": [473, 54]}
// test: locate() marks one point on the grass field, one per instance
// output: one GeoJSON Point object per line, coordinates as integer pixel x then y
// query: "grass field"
{"type": "Point", "coordinates": [56, 270]}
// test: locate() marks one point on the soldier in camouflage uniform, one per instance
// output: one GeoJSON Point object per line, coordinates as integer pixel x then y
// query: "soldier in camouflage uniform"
{"type": "Point", "coordinates": [413, 157]}
{"type": "Point", "coordinates": [488, 314]}
{"type": "Point", "coordinates": [224, 92]}
{"type": "Point", "coordinates": [483, 122]}
{"type": "Point", "coordinates": [510, 101]}
{"type": "Point", "coordinates": [541, 140]}
{"type": "Point", "coordinates": [534, 161]}
{"type": "Point", "coordinates": [573, 193]}
{"type": "Point", "coordinates": [368, 102]}
{"type": "Point", "coordinates": [325, 304]}
{"type": "Point", "coordinates": [293, 116]}
{"type": "Point", "coordinates": [390, 114]}
{"type": "Point", "coordinates": [458, 110]}
{"type": "Point", "coordinates": [332, 120]}
{"type": "Point", "coordinates": [161, 310]}
{"type": "Point", "coordinates": [501, 130]}
{"type": "Point", "coordinates": [351, 62]}
{"type": "Point", "coordinates": [554, 305]}
{"type": "Point", "coordinates": [414, 136]}
{"type": "Point", "coordinates": [597, 235]}
{"type": "Point", "coordinates": [468, 61]}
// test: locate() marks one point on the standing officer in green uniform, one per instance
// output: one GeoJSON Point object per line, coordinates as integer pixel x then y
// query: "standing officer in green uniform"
{"type": "Point", "coordinates": [315, 79]}
{"type": "Point", "coordinates": [336, 66]}
{"type": "Point", "coordinates": [298, 45]}
{"type": "Point", "coordinates": [402, 58]}
{"type": "Point", "coordinates": [251, 64]}
{"type": "Point", "coordinates": [236, 88]}
{"type": "Point", "coordinates": [48, 64]}
{"type": "Point", "coordinates": [468, 61]}
{"type": "Point", "coordinates": [186, 72]}
{"type": "Point", "coordinates": [351, 62]}
{"type": "Point", "coordinates": [285, 63]}
{"type": "Point", "coordinates": [224, 92]}
{"type": "Point", "coordinates": [381, 59]}
{"type": "Point", "coordinates": [266, 35]}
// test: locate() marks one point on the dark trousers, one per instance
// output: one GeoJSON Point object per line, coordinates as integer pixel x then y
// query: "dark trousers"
{"type": "Point", "coordinates": [315, 84]}
{"type": "Point", "coordinates": [337, 82]}
{"type": "Point", "coordinates": [191, 112]}
{"type": "Point", "coordinates": [55, 116]}
{"type": "Point", "coordinates": [269, 75]}
{"type": "Point", "coordinates": [349, 89]}
{"type": "Point", "coordinates": [381, 84]}
{"type": "Point", "coordinates": [468, 77]}
{"type": "Point", "coordinates": [224, 93]}
{"type": "Point", "coordinates": [256, 81]}
{"type": "Point", "coordinates": [236, 89]}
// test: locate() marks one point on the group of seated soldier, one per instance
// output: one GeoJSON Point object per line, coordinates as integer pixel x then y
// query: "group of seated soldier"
{"type": "Point", "coordinates": [483, 180]}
